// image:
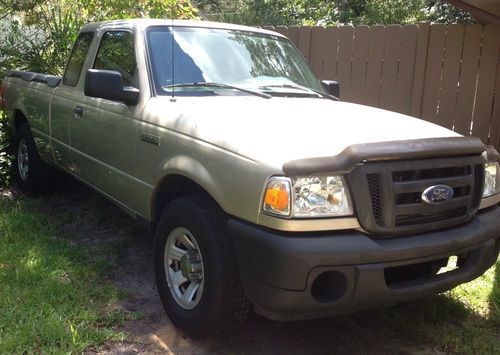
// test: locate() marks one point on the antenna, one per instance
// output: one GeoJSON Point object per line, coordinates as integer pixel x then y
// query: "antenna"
{"type": "Point", "coordinates": [173, 56]}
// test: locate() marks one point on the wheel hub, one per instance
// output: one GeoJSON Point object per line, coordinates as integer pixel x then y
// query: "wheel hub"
{"type": "Point", "coordinates": [184, 268]}
{"type": "Point", "coordinates": [191, 267]}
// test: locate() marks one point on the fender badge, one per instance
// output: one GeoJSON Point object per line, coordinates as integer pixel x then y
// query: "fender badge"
{"type": "Point", "coordinates": [150, 138]}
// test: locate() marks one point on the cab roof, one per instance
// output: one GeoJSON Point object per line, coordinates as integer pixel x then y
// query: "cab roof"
{"type": "Point", "coordinates": [142, 24]}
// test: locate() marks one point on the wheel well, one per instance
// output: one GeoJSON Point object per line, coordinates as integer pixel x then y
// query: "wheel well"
{"type": "Point", "coordinates": [172, 187]}
{"type": "Point", "coordinates": [19, 119]}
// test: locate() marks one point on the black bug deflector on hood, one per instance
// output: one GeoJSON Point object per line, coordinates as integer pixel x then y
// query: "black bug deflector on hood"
{"type": "Point", "coordinates": [383, 151]}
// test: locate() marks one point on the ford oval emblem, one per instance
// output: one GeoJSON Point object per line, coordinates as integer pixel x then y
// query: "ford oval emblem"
{"type": "Point", "coordinates": [437, 194]}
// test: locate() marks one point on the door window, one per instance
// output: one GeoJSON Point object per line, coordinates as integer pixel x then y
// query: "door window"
{"type": "Point", "coordinates": [76, 58]}
{"type": "Point", "coordinates": [117, 52]}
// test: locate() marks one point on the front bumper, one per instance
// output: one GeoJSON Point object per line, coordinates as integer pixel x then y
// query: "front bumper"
{"type": "Point", "coordinates": [292, 276]}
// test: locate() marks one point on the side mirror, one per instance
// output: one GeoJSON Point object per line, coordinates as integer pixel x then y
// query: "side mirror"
{"type": "Point", "coordinates": [108, 84]}
{"type": "Point", "coordinates": [332, 87]}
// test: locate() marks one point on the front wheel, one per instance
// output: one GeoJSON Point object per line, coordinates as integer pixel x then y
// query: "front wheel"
{"type": "Point", "coordinates": [196, 270]}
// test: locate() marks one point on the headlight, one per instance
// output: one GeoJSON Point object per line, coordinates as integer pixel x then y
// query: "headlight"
{"type": "Point", "coordinates": [307, 197]}
{"type": "Point", "coordinates": [320, 196]}
{"type": "Point", "coordinates": [491, 179]}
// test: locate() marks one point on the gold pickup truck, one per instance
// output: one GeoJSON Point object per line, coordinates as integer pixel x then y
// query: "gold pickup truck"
{"type": "Point", "coordinates": [262, 188]}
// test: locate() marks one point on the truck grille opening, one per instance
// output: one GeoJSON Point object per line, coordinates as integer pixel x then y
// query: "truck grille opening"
{"type": "Point", "coordinates": [394, 188]}
{"type": "Point", "coordinates": [407, 275]}
{"type": "Point", "coordinates": [409, 219]}
{"type": "Point", "coordinates": [420, 174]}
{"type": "Point", "coordinates": [374, 187]}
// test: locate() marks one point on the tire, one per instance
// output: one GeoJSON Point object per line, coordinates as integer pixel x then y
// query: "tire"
{"type": "Point", "coordinates": [218, 306]}
{"type": "Point", "coordinates": [32, 174]}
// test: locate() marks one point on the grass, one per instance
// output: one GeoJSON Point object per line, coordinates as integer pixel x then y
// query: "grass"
{"type": "Point", "coordinates": [465, 320]}
{"type": "Point", "coordinates": [54, 297]}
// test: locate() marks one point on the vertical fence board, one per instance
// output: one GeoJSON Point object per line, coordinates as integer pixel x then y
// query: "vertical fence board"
{"type": "Point", "coordinates": [468, 77]}
{"type": "Point", "coordinates": [406, 68]}
{"type": "Point", "coordinates": [359, 55]}
{"type": "Point", "coordinates": [282, 29]}
{"type": "Point", "coordinates": [418, 75]}
{"type": "Point", "coordinates": [374, 69]}
{"type": "Point", "coordinates": [305, 41]}
{"type": "Point", "coordinates": [344, 61]}
{"type": "Point", "coordinates": [323, 54]}
{"type": "Point", "coordinates": [332, 51]}
{"type": "Point", "coordinates": [388, 91]}
{"type": "Point", "coordinates": [318, 55]}
{"type": "Point", "coordinates": [432, 80]}
{"type": "Point", "coordinates": [293, 35]}
{"type": "Point", "coordinates": [451, 71]}
{"type": "Point", "coordinates": [486, 82]}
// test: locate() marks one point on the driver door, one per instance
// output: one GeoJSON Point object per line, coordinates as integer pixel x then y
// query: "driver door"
{"type": "Point", "coordinates": [103, 135]}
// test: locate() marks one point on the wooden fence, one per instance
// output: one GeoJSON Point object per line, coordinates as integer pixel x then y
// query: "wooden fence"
{"type": "Point", "coordinates": [446, 74]}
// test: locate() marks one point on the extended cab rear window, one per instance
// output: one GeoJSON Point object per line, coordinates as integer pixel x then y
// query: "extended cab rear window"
{"type": "Point", "coordinates": [77, 58]}
{"type": "Point", "coordinates": [117, 52]}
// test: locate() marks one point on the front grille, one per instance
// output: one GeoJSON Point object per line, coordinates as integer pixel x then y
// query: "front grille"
{"type": "Point", "coordinates": [374, 187]}
{"type": "Point", "coordinates": [388, 195]}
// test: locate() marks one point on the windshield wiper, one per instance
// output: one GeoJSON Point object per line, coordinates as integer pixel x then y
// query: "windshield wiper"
{"type": "Point", "coordinates": [218, 85]}
{"type": "Point", "coordinates": [299, 87]}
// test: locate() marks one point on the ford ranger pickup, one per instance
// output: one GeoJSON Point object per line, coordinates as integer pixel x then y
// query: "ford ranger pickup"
{"type": "Point", "coordinates": [263, 189]}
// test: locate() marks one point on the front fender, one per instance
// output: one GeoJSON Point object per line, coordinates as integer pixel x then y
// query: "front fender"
{"type": "Point", "coordinates": [192, 169]}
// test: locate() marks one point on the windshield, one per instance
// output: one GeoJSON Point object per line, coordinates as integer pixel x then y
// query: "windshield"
{"type": "Point", "coordinates": [249, 60]}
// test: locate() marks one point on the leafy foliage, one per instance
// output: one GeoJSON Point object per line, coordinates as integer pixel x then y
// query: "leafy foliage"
{"type": "Point", "coordinates": [324, 12]}
{"type": "Point", "coordinates": [5, 152]}
{"type": "Point", "coordinates": [393, 11]}
{"type": "Point", "coordinates": [445, 13]}
{"type": "Point", "coordinates": [98, 10]}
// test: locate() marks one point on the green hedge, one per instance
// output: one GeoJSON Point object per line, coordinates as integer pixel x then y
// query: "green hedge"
{"type": "Point", "coordinates": [6, 157]}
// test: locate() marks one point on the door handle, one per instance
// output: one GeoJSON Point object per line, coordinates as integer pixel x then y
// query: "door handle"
{"type": "Point", "coordinates": [78, 110]}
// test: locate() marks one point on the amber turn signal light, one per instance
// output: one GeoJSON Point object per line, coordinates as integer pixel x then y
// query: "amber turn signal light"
{"type": "Point", "coordinates": [277, 197]}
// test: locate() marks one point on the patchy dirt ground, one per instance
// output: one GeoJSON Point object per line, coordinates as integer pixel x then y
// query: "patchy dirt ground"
{"type": "Point", "coordinates": [154, 333]}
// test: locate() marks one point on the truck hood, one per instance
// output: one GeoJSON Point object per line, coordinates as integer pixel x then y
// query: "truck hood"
{"type": "Point", "coordinates": [279, 130]}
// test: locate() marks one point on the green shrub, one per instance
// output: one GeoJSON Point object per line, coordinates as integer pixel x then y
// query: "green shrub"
{"type": "Point", "coordinates": [328, 12]}
{"type": "Point", "coordinates": [6, 157]}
